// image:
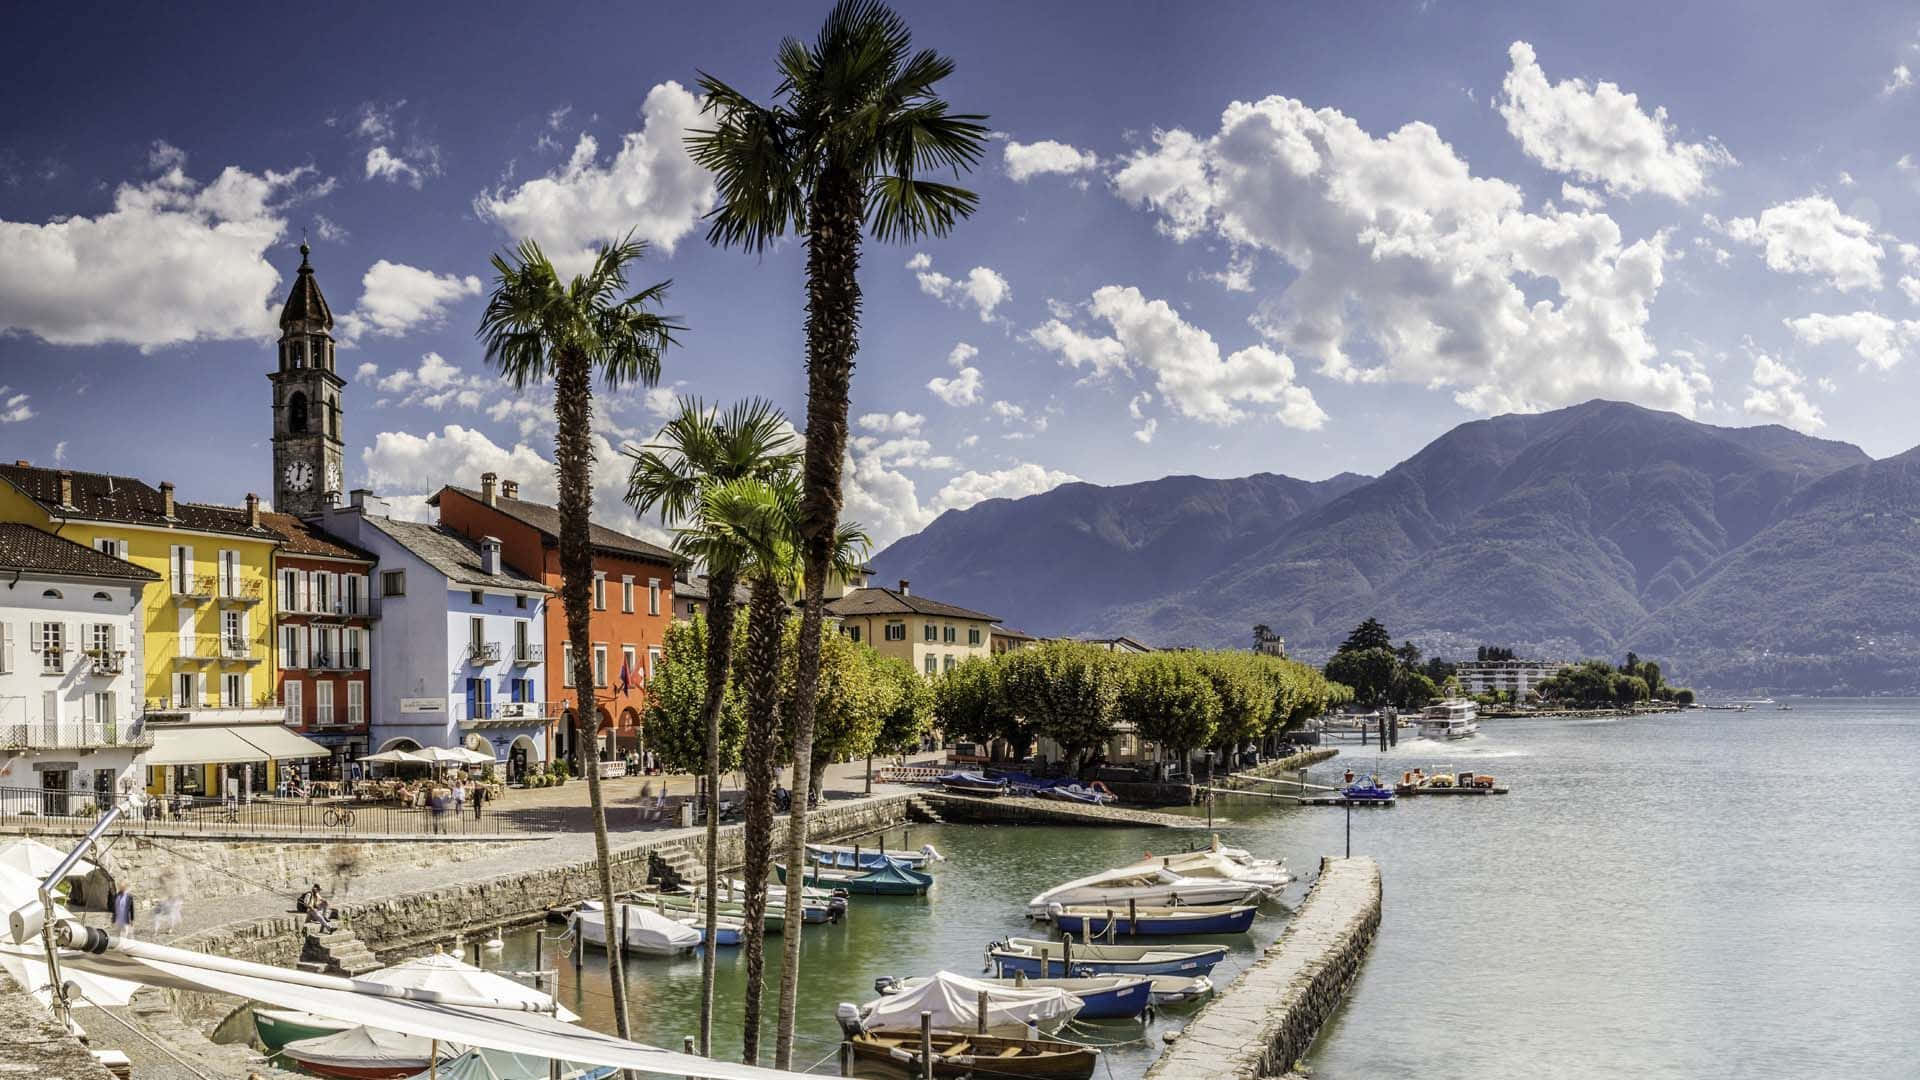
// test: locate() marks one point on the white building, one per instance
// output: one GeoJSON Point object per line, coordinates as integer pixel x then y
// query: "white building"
{"type": "Point", "coordinates": [1516, 677]}
{"type": "Point", "coordinates": [71, 730]}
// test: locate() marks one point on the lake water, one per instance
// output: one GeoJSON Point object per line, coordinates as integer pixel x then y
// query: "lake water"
{"type": "Point", "coordinates": [1705, 894]}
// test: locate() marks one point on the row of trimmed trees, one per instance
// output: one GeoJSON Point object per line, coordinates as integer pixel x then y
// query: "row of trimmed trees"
{"type": "Point", "coordinates": [1079, 696]}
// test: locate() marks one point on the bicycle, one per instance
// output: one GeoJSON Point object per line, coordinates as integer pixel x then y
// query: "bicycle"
{"type": "Point", "coordinates": [339, 817]}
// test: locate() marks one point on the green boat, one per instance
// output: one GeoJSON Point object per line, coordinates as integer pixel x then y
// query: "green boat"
{"type": "Point", "coordinates": [278, 1027]}
{"type": "Point", "coordinates": [775, 920]}
{"type": "Point", "coordinates": [891, 879]}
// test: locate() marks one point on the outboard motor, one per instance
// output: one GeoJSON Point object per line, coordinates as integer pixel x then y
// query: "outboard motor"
{"type": "Point", "coordinates": [848, 1015]}
{"type": "Point", "coordinates": [885, 984]}
{"type": "Point", "coordinates": [1054, 911]}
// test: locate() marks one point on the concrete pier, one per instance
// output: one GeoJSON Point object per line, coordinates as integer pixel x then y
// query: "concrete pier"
{"type": "Point", "coordinates": [1267, 1019]}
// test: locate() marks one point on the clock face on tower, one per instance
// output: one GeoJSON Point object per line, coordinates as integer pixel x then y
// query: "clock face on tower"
{"type": "Point", "coordinates": [333, 477]}
{"type": "Point", "coordinates": [299, 476]}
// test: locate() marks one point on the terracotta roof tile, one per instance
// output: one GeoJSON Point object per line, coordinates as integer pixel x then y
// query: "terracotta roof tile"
{"type": "Point", "coordinates": [23, 547]}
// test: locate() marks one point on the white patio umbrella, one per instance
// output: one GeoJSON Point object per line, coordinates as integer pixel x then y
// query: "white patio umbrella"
{"type": "Point", "coordinates": [27, 965]}
{"type": "Point", "coordinates": [444, 974]}
{"type": "Point", "coordinates": [37, 860]}
{"type": "Point", "coordinates": [397, 757]}
{"type": "Point", "coordinates": [443, 755]}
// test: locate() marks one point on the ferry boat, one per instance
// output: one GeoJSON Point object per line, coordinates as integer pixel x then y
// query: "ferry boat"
{"type": "Point", "coordinates": [1455, 718]}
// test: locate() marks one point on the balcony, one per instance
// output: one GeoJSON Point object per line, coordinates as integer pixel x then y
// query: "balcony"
{"type": "Point", "coordinates": [242, 592]}
{"type": "Point", "coordinates": [168, 711]}
{"type": "Point", "coordinates": [193, 590]}
{"type": "Point", "coordinates": [238, 649]}
{"type": "Point", "coordinates": [529, 654]}
{"type": "Point", "coordinates": [53, 662]}
{"type": "Point", "coordinates": [73, 735]}
{"type": "Point", "coordinates": [107, 661]}
{"type": "Point", "coordinates": [483, 652]}
{"type": "Point", "coordinates": [511, 712]}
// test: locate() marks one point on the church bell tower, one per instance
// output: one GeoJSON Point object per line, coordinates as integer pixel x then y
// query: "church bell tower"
{"type": "Point", "coordinates": [307, 451]}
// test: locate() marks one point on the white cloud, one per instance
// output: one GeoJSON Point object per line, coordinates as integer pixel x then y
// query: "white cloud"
{"type": "Point", "coordinates": [983, 287]}
{"type": "Point", "coordinates": [1015, 482]}
{"type": "Point", "coordinates": [963, 388]}
{"type": "Point", "coordinates": [396, 298]}
{"type": "Point", "coordinates": [366, 372]}
{"type": "Point", "coordinates": [172, 261]}
{"type": "Point", "coordinates": [883, 501]}
{"type": "Point", "coordinates": [1103, 354]}
{"type": "Point", "coordinates": [651, 186]}
{"type": "Point", "coordinates": [386, 165]}
{"type": "Point", "coordinates": [1026, 160]}
{"type": "Point", "coordinates": [329, 230]}
{"type": "Point", "coordinates": [1900, 79]}
{"type": "Point", "coordinates": [1442, 276]}
{"type": "Point", "coordinates": [1775, 394]}
{"type": "Point", "coordinates": [900, 422]}
{"type": "Point", "coordinates": [435, 384]}
{"type": "Point", "coordinates": [1007, 411]}
{"type": "Point", "coordinates": [1600, 134]}
{"type": "Point", "coordinates": [14, 407]}
{"type": "Point", "coordinates": [1190, 374]}
{"type": "Point", "coordinates": [1145, 432]}
{"type": "Point", "coordinates": [1813, 236]}
{"type": "Point", "coordinates": [1135, 405]}
{"type": "Point", "coordinates": [1586, 198]}
{"type": "Point", "coordinates": [164, 156]}
{"type": "Point", "coordinates": [60, 452]}
{"type": "Point", "coordinates": [1877, 339]}
{"type": "Point", "coordinates": [1911, 286]}
{"type": "Point", "coordinates": [904, 453]}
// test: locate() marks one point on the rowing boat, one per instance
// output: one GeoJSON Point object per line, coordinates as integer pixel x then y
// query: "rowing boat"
{"type": "Point", "coordinates": [845, 857]}
{"type": "Point", "coordinates": [889, 880]}
{"type": "Point", "coordinates": [1093, 921]}
{"type": "Point", "coordinates": [1040, 958]}
{"type": "Point", "coordinates": [958, 1054]}
{"type": "Point", "coordinates": [1102, 997]}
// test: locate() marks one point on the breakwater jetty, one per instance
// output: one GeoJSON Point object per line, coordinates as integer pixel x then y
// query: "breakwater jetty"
{"type": "Point", "coordinates": [1025, 810]}
{"type": "Point", "coordinates": [1268, 1018]}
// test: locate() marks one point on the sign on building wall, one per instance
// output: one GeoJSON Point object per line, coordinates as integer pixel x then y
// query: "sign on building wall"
{"type": "Point", "coordinates": [423, 705]}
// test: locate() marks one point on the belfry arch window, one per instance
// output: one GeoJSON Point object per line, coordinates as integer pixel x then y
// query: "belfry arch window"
{"type": "Point", "coordinates": [333, 417]}
{"type": "Point", "coordinates": [297, 413]}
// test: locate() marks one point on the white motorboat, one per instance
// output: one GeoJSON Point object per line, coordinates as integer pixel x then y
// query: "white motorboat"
{"type": "Point", "coordinates": [1454, 718]}
{"type": "Point", "coordinates": [954, 1001]}
{"type": "Point", "coordinates": [1210, 863]}
{"type": "Point", "coordinates": [1145, 882]}
{"type": "Point", "coordinates": [647, 931]}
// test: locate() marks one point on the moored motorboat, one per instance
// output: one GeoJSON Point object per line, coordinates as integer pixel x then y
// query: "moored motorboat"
{"type": "Point", "coordinates": [278, 1027]}
{"type": "Point", "coordinates": [482, 1064]}
{"type": "Point", "coordinates": [437, 972]}
{"type": "Point", "coordinates": [1180, 990]}
{"type": "Point", "coordinates": [960, 1054]}
{"type": "Point", "coordinates": [364, 1053]}
{"type": "Point", "coordinates": [866, 858]}
{"type": "Point", "coordinates": [972, 783]}
{"type": "Point", "coordinates": [1041, 958]}
{"type": "Point", "coordinates": [727, 929]}
{"type": "Point", "coordinates": [1270, 874]}
{"type": "Point", "coordinates": [888, 880]}
{"type": "Point", "coordinates": [816, 905]}
{"type": "Point", "coordinates": [644, 930]}
{"type": "Point", "coordinates": [682, 905]}
{"type": "Point", "coordinates": [1367, 789]}
{"type": "Point", "coordinates": [1145, 882]}
{"type": "Point", "coordinates": [1093, 921]}
{"type": "Point", "coordinates": [953, 1002]}
{"type": "Point", "coordinates": [1102, 997]}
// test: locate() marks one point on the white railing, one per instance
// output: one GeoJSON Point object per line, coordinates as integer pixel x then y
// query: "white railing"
{"type": "Point", "coordinates": [483, 652]}
{"type": "Point", "coordinates": [530, 653]}
{"type": "Point", "coordinates": [72, 734]}
{"type": "Point", "coordinates": [108, 661]}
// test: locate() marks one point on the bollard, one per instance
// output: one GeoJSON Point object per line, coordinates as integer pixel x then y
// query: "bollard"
{"type": "Point", "coordinates": [540, 950]}
{"type": "Point", "coordinates": [1112, 926]}
{"type": "Point", "coordinates": [476, 954]}
{"type": "Point", "coordinates": [1133, 917]}
{"type": "Point", "coordinates": [1019, 978]}
{"type": "Point", "coordinates": [981, 1025]}
{"type": "Point", "coordinates": [846, 1058]}
{"type": "Point", "coordinates": [626, 924]}
{"type": "Point", "coordinates": [1066, 958]}
{"type": "Point", "coordinates": [926, 1045]}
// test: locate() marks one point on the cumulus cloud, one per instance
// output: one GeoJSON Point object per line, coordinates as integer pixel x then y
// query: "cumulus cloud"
{"type": "Point", "coordinates": [964, 387]}
{"type": "Point", "coordinates": [899, 422]}
{"type": "Point", "coordinates": [435, 384]}
{"type": "Point", "coordinates": [1190, 374]}
{"type": "Point", "coordinates": [1812, 236]}
{"type": "Point", "coordinates": [1442, 276]}
{"type": "Point", "coordinates": [1146, 431]}
{"type": "Point", "coordinates": [396, 298]}
{"type": "Point", "coordinates": [1775, 394]}
{"type": "Point", "coordinates": [384, 164]}
{"type": "Point", "coordinates": [1600, 134]}
{"type": "Point", "coordinates": [1900, 79]}
{"type": "Point", "coordinates": [1102, 354]}
{"type": "Point", "coordinates": [1015, 482]}
{"type": "Point", "coordinates": [409, 160]}
{"type": "Point", "coordinates": [983, 287]}
{"type": "Point", "coordinates": [15, 408]}
{"type": "Point", "coordinates": [1026, 160]}
{"type": "Point", "coordinates": [903, 453]}
{"type": "Point", "coordinates": [652, 186]}
{"type": "Point", "coordinates": [1877, 339]}
{"type": "Point", "coordinates": [172, 261]}
{"type": "Point", "coordinates": [1585, 198]}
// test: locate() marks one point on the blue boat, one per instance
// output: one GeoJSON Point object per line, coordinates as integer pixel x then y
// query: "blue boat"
{"type": "Point", "coordinates": [840, 855]}
{"type": "Point", "coordinates": [970, 783]}
{"type": "Point", "coordinates": [891, 879]}
{"type": "Point", "coordinates": [1092, 923]}
{"type": "Point", "coordinates": [1103, 997]}
{"type": "Point", "coordinates": [1368, 790]}
{"type": "Point", "coordinates": [1041, 959]}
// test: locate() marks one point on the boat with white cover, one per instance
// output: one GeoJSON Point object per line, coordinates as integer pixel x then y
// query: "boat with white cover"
{"type": "Point", "coordinates": [954, 1001]}
{"type": "Point", "coordinates": [365, 1053]}
{"type": "Point", "coordinates": [1146, 883]}
{"type": "Point", "coordinates": [647, 931]}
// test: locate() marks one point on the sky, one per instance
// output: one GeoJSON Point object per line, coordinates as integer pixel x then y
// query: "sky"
{"type": "Point", "coordinates": [1212, 239]}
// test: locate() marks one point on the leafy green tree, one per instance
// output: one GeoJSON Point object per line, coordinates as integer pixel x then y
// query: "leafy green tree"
{"type": "Point", "coordinates": [1246, 699]}
{"type": "Point", "coordinates": [1169, 701]}
{"type": "Point", "coordinates": [539, 329]}
{"type": "Point", "coordinates": [970, 702]}
{"type": "Point", "coordinates": [1628, 689]}
{"type": "Point", "coordinates": [676, 704]}
{"type": "Point", "coordinates": [857, 124]}
{"type": "Point", "coordinates": [850, 699]}
{"type": "Point", "coordinates": [1368, 635]}
{"type": "Point", "coordinates": [1413, 690]}
{"type": "Point", "coordinates": [1066, 690]}
{"type": "Point", "coordinates": [1683, 696]}
{"type": "Point", "coordinates": [910, 717]}
{"type": "Point", "coordinates": [1370, 672]}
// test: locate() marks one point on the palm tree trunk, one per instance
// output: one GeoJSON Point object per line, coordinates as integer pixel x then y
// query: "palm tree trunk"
{"type": "Point", "coordinates": [833, 337]}
{"type": "Point", "coordinates": [719, 659]}
{"type": "Point", "coordinates": [760, 673]}
{"type": "Point", "coordinates": [573, 459]}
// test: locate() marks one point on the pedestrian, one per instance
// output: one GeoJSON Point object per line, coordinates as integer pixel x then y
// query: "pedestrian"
{"type": "Point", "coordinates": [479, 797]}
{"type": "Point", "coordinates": [321, 915]}
{"type": "Point", "coordinates": [123, 908]}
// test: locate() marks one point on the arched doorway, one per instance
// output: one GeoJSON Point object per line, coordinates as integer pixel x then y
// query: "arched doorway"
{"type": "Point", "coordinates": [400, 743]}
{"type": "Point", "coordinates": [628, 738]}
{"type": "Point", "coordinates": [563, 738]}
{"type": "Point", "coordinates": [522, 756]}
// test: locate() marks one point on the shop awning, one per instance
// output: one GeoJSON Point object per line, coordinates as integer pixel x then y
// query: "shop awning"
{"type": "Point", "coordinates": [281, 744]}
{"type": "Point", "coordinates": [193, 744]}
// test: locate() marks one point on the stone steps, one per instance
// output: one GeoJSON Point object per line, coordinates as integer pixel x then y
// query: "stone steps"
{"type": "Point", "coordinates": [339, 953]}
{"type": "Point", "coordinates": [919, 809]}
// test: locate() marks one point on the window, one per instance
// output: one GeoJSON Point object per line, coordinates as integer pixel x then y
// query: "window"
{"type": "Point", "coordinates": [522, 649]}
{"type": "Point", "coordinates": [322, 589]}
{"type": "Point", "coordinates": [653, 661]}
{"type": "Point", "coordinates": [356, 593]}
{"type": "Point", "coordinates": [291, 638]}
{"type": "Point", "coordinates": [630, 665]}
{"type": "Point", "coordinates": [478, 597]}
{"type": "Point", "coordinates": [853, 633]}
{"type": "Point", "coordinates": [521, 690]}
{"type": "Point", "coordinates": [6, 648]}
{"type": "Point", "coordinates": [393, 583]}
{"type": "Point", "coordinates": [297, 405]}
{"type": "Point", "coordinates": [520, 601]}
{"type": "Point", "coordinates": [599, 665]}
{"type": "Point", "coordinates": [52, 639]}
{"type": "Point", "coordinates": [896, 631]}
{"type": "Point", "coordinates": [182, 569]}
{"type": "Point", "coordinates": [291, 694]}
{"type": "Point", "coordinates": [115, 548]}
{"type": "Point", "coordinates": [323, 703]}
{"type": "Point", "coordinates": [933, 632]}
{"type": "Point", "coordinates": [186, 689]}
{"type": "Point", "coordinates": [950, 634]}
{"type": "Point", "coordinates": [99, 708]}
{"type": "Point", "coordinates": [356, 703]}
{"type": "Point", "coordinates": [626, 595]}
{"type": "Point", "coordinates": [933, 664]}
{"type": "Point", "coordinates": [973, 635]}
{"type": "Point", "coordinates": [566, 664]}
{"type": "Point", "coordinates": [599, 592]}
{"type": "Point", "coordinates": [233, 633]}
{"type": "Point", "coordinates": [476, 633]}
{"type": "Point", "coordinates": [50, 706]}
{"type": "Point", "coordinates": [100, 638]}
{"type": "Point", "coordinates": [476, 699]}
{"type": "Point", "coordinates": [233, 691]}
{"type": "Point", "coordinates": [352, 653]}
{"type": "Point", "coordinates": [289, 590]}
{"type": "Point", "coordinates": [653, 596]}
{"type": "Point", "coordinates": [229, 572]}
{"type": "Point", "coordinates": [948, 663]}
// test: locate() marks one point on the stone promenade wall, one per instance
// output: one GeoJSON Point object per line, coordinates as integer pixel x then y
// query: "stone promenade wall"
{"type": "Point", "coordinates": [1268, 1018]}
{"type": "Point", "coordinates": [1027, 810]}
{"type": "Point", "coordinates": [36, 1046]}
{"type": "Point", "coordinates": [222, 866]}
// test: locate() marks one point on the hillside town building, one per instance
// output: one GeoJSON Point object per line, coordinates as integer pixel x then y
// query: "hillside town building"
{"type": "Point", "coordinates": [929, 634]}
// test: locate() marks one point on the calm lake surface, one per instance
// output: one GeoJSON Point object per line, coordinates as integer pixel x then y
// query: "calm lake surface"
{"type": "Point", "coordinates": [1705, 894]}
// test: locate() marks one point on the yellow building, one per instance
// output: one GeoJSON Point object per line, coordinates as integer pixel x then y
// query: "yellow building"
{"type": "Point", "coordinates": [206, 656]}
{"type": "Point", "coordinates": [928, 634]}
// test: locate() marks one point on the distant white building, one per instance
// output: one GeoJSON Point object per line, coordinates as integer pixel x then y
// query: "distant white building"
{"type": "Point", "coordinates": [1516, 677]}
{"type": "Point", "coordinates": [70, 703]}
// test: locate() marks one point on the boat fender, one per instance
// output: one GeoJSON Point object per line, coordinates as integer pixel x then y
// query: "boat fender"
{"type": "Point", "coordinates": [848, 1015]}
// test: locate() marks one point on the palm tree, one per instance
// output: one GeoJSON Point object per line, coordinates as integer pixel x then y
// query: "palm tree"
{"type": "Point", "coordinates": [758, 519]}
{"type": "Point", "coordinates": [698, 450]}
{"type": "Point", "coordinates": [842, 152]}
{"type": "Point", "coordinates": [538, 328]}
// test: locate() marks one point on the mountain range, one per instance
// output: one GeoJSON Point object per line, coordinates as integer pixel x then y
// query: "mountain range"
{"type": "Point", "coordinates": [1739, 557]}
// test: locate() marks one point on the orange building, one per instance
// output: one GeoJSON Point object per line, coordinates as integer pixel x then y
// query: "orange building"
{"type": "Point", "coordinates": [632, 604]}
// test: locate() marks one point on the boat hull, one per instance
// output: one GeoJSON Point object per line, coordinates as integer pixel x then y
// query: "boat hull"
{"type": "Point", "coordinates": [1085, 924]}
{"type": "Point", "coordinates": [1105, 997]}
{"type": "Point", "coordinates": [368, 1069]}
{"type": "Point", "coordinates": [1054, 965]}
{"type": "Point", "coordinates": [983, 1055]}
{"type": "Point", "coordinates": [1191, 891]}
{"type": "Point", "coordinates": [866, 859]}
{"type": "Point", "coordinates": [278, 1027]}
{"type": "Point", "coordinates": [894, 881]}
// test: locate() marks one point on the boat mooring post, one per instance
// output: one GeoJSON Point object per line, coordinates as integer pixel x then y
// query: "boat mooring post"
{"type": "Point", "coordinates": [1349, 803]}
{"type": "Point", "coordinates": [926, 1044]}
{"type": "Point", "coordinates": [476, 952]}
{"type": "Point", "coordinates": [1066, 958]}
{"type": "Point", "coordinates": [626, 921]}
{"type": "Point", "coordinates": [686, 1046]}
{"type": "Point", "coordinates": [539, 956]}
{"type": "Point", "coordinates": [1209, 807]}
{"type": "Point", "coordinates": [981, 1024]}
{"type": "Point", "coordinates": [846, 1057]}
{"type": "Point", "coordinates": [1133, 917]}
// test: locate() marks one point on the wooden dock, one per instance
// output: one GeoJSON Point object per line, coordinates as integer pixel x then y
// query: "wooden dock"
{"type": "Point", "coordinates": [1451, 791]}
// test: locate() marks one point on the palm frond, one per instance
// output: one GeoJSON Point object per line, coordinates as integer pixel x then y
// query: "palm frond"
{"type": "Point", "coordinates": [905, 209]}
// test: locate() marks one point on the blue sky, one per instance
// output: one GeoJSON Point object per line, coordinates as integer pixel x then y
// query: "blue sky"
{"type": "Point", "coordinates": [1213, 239]}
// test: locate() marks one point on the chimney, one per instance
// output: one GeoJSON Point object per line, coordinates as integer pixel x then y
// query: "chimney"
{"type": "Point", "coordinates": [490, 553]}
{"type": "Point", "coordinates": [510, 488]}
{"type": "Point", "coordinates": [166, 499]}
{"type": "Point", "coordinates": [486, 487]}
{"type": "Point", "coordinates": [66, 487]}
{"type": "Point", "coordinates": [253, 510]}
{"type": "Point", "coordinates": [903, 587]}
{"type": "Point", "coordinates": [357, 498]}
